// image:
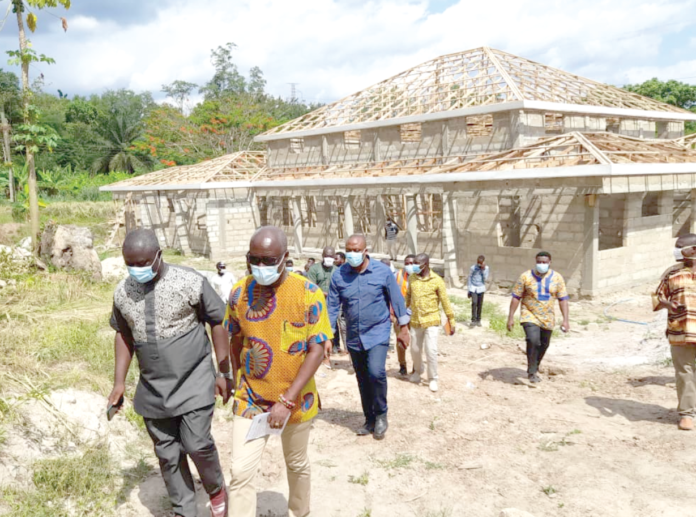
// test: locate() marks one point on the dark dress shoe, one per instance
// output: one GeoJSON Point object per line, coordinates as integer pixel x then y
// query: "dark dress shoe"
{"type": "Point", "coordinates": [367, 429]}
{"type": "Point", "coordinates": [381, 426]}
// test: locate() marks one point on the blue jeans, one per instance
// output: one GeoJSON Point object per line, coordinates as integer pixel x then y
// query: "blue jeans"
{"type": "Point", "coordinates": [371, 372]}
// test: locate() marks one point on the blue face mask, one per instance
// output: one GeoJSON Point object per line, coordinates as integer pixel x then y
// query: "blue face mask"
{"type": "Point", "coordinates": [266, 275]}
{"type": "Point", "coordinates": [542, 268]}
{"type": "Point", "coordinates": [145, 274]}
{"type": "Point", "coordinates": [290, 269]}
{"type": "Point", "coordinates": [355, 258]}
{"type": "Point", "coordinates": [409, 269]}
{"type": "Point", "coordinates": [416, 269]}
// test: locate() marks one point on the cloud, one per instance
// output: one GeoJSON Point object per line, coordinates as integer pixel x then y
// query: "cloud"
{"type": "Point", "coordinates": [333, 48]}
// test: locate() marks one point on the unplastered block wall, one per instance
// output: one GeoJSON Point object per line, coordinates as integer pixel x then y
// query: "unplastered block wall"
{"type": "Point", "coordinates": [458, 141]}
{"type": "Point", "coordinates": [349, 148]}
{"type": "Point", "coordinates": [157, 212]}
{"type": "Point", "coordinates": [647, 249]}
{"type": "Point", "coordinates": [637, 128]}
{"type": "Point", "coordinates": [670, 129]}
{"type": "Point", "coordinates": [230, 224]}
{"type": "Point", "coordinates": [681, 213]}
{"type": "Point", "coordinates": [391, 146]}
{"type": "Point", "coordinates": [611, 221]}
{"type": "Point", "coordinates": [560, 218]}
{"type": "Point", "coordinates": [291, 152]}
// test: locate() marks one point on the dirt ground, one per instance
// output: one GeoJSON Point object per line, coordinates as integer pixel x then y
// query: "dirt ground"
{"type": "Point", "coordinates": [597, 437]}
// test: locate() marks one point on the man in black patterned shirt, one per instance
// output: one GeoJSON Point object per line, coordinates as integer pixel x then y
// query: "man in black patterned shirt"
{"type": "Point", "coordinates": [160, 312]}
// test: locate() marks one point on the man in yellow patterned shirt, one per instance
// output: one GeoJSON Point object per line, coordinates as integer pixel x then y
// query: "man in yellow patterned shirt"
{"type": "Point", "coordinates": [426, 292]}
{"type": "Point", "coordinates": [535, 291]}
{"type": "Point", "coordinates": [278, 323]}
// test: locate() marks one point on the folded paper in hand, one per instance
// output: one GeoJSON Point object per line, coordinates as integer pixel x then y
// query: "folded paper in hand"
{"type": "Point", "coordinates": [260, 427]}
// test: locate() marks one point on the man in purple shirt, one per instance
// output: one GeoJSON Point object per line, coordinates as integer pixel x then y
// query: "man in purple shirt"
{"type": "Point", "coordinates": [365, 289]}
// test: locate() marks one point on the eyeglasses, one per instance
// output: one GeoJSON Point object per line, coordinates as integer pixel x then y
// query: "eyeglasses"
{"type": "Point", "coordinates": [266, 261]}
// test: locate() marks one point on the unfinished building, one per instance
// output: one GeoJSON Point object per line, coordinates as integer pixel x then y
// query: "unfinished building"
{"type": "Point", "coordinates": [470, 153]}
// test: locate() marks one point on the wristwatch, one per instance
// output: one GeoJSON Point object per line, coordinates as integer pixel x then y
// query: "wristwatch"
{"type": "Point", "coordinates": [226, 375]}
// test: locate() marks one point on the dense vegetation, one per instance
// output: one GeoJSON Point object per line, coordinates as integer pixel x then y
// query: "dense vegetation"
{"type": "Point", "coordinates": [104, 138]}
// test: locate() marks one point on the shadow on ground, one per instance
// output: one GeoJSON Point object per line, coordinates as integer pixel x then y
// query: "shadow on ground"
{"type": "Point", "coordinates": [349, 419]}
{"type": "Point", "coordinates": [655, 380]}
{"type": "Point", "coordinates": [506, 375]}
{"type": "Point", "coordinates": [631, 410]}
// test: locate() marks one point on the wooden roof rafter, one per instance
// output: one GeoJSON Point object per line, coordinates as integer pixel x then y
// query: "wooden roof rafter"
{"type": "Point", "coordinates": [478, 77]}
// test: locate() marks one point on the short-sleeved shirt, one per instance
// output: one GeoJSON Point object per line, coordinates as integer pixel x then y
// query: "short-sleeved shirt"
{"type": "Point", "coordinates": [278, 326]}
{"type": "Point", "coordinates": [165, 322]}
{"type": "Point", "coordinates": [391, 231]}
{"type": "Point", "coordinates": [537, 294]}
{"type": "Point", "coordinates": [678, 284]}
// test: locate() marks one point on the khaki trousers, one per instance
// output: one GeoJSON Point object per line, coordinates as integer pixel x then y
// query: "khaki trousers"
{"type": "Point", "coordinates": [425, 339]}
{"type": "Point", "coordinates": [246, 457]}
{"type": "Point", "coordinates": [684, 359]}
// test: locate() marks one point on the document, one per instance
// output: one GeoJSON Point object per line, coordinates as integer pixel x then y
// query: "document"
{"type": "Point", "coordinates": [260, 427]}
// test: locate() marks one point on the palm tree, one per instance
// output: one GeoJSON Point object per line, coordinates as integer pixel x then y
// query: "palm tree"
{"type": "Point", "coordinates": [120, 126]}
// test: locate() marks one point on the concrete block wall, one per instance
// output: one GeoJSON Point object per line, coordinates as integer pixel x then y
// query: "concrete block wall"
{"type": "Point", "coordinates": [647, 249]}
{"type": "Point", "coordinates": [667, 129]}
{"type": "Point", "coordinates": [681, 213]}
{"type": "Point", "coordinates": [157, 212]}
{"type": "Point", "coordinates": [230, 225]}
{"type": "Point", "coordinates": [561, 222]}
{"type": "Point", "coordinates": [611, 221]}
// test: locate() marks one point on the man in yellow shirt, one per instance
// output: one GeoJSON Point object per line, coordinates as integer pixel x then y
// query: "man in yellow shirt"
{"type": "Point", "coordinates": [278, 325]}
{"type": "Point", "coordinates": [426, 292]}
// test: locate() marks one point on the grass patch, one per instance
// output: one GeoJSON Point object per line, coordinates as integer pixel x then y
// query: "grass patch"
{"type": "Point", "coordinates": [442, 512]}
{"type": "Point", "coordinates": [327, 463]}
{"type": "Point", "coordinates": [401, 461]}
{"type": "Point", "coordinates": [69, 485]}
{"type": "Point", "coordinates": [366, 512]}
{"type": "Point", "coordinates": [362, 479]}
{"type": "Point", "coordinates": [429, 465]}
{"type": "Point", "coordinates": [549, 490]}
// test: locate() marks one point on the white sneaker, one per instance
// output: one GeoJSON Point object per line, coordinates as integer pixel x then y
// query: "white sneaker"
{"type": "Point", "coordinates": [433, 386]}
{"type": "Point", "coordinates": [415, 377]}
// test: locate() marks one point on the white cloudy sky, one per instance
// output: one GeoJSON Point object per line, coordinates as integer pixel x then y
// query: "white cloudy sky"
{"type": "Point", "coordinates": [335, 47]}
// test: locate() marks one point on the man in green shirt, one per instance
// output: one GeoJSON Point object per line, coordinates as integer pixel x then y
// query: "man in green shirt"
{"type": "Point", "coordinates": [320, 274]}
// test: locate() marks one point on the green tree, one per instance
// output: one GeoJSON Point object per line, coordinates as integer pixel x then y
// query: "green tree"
{"type": "Point", "coordinates": [227, 78]}
{"type": "Point", "coordinates": [179, 92]}
{"type": "Point", "coordinates": [120, 126]}
{"type": "Point", "coordinates": [25, 57]}
{"type": "Point", "coordinates": [672, 92]}
{"type": "Point", "coordinates": [10, 101]}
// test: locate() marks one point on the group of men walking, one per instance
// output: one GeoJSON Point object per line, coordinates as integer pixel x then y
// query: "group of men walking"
{"type": "Point", "coordinates": [271, 333]}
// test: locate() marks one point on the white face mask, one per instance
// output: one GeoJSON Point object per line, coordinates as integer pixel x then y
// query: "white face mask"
{"type": "Point", "coordinates": [329, 261]}
{"type": "Point", "coordinates": [266, 275]}
{"type": "Point", "coordinates": [678, 254]}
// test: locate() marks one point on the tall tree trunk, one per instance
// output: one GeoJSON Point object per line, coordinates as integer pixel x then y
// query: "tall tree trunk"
{"type": "Point", "coordinates": [33, 194]}
{"type": "Point", "coordinates": [5, 125]}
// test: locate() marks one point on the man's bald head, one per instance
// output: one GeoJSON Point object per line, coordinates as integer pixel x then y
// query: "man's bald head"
{"type": "Point", "coordinates": [686, 240]}
{"type": "Point", "coordinates": [356, 242]}
{"type": "Point", "coordinates": [329, 251]}
{"type": "Point", "coordinates": [141, 239]}
{"type": "Point", "coordinates": [140, 249]}
{"type": "Point", "coordinates": [268, 241]}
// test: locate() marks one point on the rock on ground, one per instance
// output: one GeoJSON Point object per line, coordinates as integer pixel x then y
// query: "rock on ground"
{"type": "Point", "coordinates": [113, 269]}
{"type": "Point", "coordinates": [72, 248]}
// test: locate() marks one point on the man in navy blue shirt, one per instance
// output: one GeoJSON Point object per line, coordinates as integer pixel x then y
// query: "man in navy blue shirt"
{"type": "Point", "coordinates": [365, 289]}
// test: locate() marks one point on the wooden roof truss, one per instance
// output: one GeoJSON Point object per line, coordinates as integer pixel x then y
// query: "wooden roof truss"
{"type": "Point", "coordinates": [478, 77]}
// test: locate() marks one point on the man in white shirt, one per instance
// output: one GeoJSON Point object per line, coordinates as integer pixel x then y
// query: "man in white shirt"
{"type": "Point", "coordinates": [223, 282]}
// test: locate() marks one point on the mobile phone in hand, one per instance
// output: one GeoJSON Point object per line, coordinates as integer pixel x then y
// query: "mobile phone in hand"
{"type": "Point", "coordinates": [113, 408]}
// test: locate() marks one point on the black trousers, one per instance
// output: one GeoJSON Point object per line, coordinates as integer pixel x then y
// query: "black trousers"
{"type": "Point", "coordinates": [175, 440]}
{"type": "Point", "coordinates": [476, 306]}
{"type": "Point", "coordinates": [538, 341]}
{"type": "Point", "coordinates": [371, 373]}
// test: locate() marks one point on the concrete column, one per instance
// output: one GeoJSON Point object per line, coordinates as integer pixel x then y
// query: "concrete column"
{"type": "Point", "coordinates": [376, 151]}
{"type": "Point", "coordinates": [324, 151]}
{"type": "Point", "coordinates": [255, 211]}
{"type": "Point", "coordinates": [449, 239]}
{"type": "Point", "coordinates": [590, 247]}
{"type": "Point", "coordinates": [381, 219]}
{"type": "Point", "coordinates": [412, 223]}
{"type": "Point", "coordinates": [330, 236]}
{"type": "Point", "coordinates": [347, 217]}
{"type": "Point", "coordinates": [692, 217]}
{"type": "Point", "coordinates": [296, 203]}
{"type": "Point", "coordinates": [183, 217]}
{"type": "Point", "coordinates": [445, 140]}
